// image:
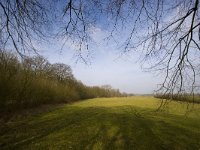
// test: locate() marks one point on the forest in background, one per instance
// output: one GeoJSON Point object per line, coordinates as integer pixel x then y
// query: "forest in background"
{"type": "Point", "coordinates": [33, 81]}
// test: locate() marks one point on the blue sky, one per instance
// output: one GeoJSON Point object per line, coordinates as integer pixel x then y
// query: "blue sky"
{"type": "Point", "coordinates": [105, 64]}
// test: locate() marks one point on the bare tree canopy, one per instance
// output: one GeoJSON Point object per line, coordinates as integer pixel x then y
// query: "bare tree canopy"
{"type": "Point", "coordinates": [21, 24]}
{"type": "Point", "coordinates": [165, 32]}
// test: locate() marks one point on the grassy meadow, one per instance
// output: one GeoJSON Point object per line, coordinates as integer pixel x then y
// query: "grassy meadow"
{"type": "Point", "coordinates": [107, 124]}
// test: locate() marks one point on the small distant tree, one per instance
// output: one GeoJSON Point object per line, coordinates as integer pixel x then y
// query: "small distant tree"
{"type": "Point", "coordinates": [107, 87]}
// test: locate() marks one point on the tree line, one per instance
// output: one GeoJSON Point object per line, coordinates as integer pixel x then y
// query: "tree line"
{"type": "Point", "coordinates": [184, 97]}
{"type": "Point", "coordinates": [33, 81]}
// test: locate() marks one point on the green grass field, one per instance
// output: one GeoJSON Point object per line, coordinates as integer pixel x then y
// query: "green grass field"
{"type": "Point", "coordinates": [109, 124]}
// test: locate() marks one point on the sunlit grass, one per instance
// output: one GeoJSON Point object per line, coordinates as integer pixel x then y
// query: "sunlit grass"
{"type": "Point", "coordinates": [107, 123]}
{"type": "Point", "coordinates": [172, 107]}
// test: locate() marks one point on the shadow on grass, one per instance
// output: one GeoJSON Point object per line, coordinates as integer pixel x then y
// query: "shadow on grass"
{"type": "Point", "coordinates": [100, 128]}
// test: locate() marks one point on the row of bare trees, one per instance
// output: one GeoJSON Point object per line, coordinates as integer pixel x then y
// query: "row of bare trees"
{"type": "Point", "coordinates": [33, 81]}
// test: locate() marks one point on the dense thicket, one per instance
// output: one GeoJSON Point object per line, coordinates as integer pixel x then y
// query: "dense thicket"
{"type": "Point", "coordinates": [33, 81]}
